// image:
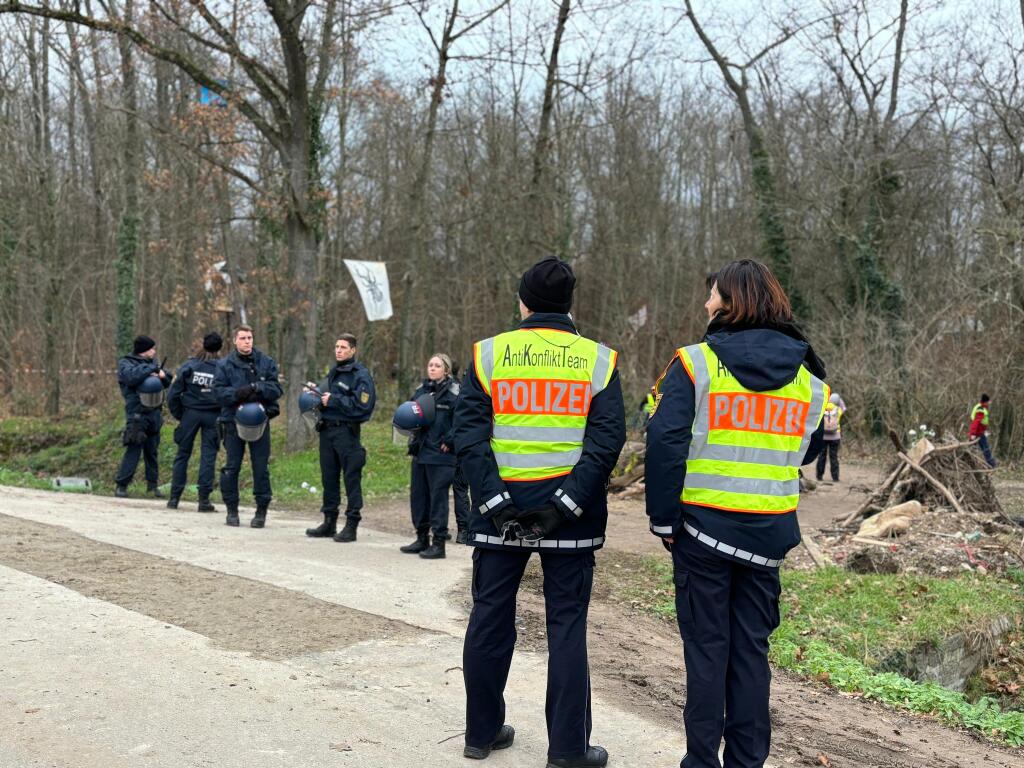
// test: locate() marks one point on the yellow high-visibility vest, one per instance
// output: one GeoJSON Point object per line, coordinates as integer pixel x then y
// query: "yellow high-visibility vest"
{"type": "Point", "coordinates": [747, 446]}
{"type": "Point", "coordinates": [541, 382]}
{"type": "Point", "coordinates": [984, 410]}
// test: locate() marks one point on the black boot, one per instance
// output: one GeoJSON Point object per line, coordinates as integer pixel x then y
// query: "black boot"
{"type": "Point", "coordinates": [121, 492]}
{"type": "Point", "coordinates": [327, 528]}
{"type": "Point", "coordinates": [155, 491]}
{"type": "Point", "coordinates": [435, 551]}
{"type": "Point", "coordinates": [232, 515]}
{"type": "Point", "coordinates": [462, 537]}
{"type": "Point", "coordinates": [205, 505]}
{"type": "Point", "coordinates": [503, 740]}
{"type": "Point", "coordinates": [421, 543]}
{"type": "Point", "coordinates": [172, 502]}
{"type": "Point", "coordinates": [261, 517]}
{"type": "Point", "coordinates": [594, 757]}
{"type": "Point", "coordinates": [348, 533]}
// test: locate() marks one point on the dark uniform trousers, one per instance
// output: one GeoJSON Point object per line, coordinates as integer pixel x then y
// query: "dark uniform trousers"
{"type": "Point", "coordinates": [259, 455]}
{"type": "Point", "coordinates": [829, 449]}
{"type": "Point", "coordinates": [491, 637]}
{"type": "Point", "coordinates": [152, 420]}
{"type": "Point", "coordinates": [460, 490]}
{"type": "Point", "coordinates": [193, 422]}
{"type": "Point", "coordinates": [428, 497]}
{"type": "Point", "coordinates": [726, 612]}
{"type": "Point", "coordinates": [341, 454]}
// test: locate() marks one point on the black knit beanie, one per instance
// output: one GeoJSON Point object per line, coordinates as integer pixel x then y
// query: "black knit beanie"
{"type": "Point", "coordinates": [212, 342]}
{"type": "Point", "coordinates": [142, 344]}
{"type": "Point", "coordinates": [547, 286]}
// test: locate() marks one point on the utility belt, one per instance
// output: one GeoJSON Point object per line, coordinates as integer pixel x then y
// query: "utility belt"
{"type": "Point", "coordinates": [324, 424]}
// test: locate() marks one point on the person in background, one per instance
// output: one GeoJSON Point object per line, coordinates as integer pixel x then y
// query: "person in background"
{"type": "Point", "coordinates": [979, 428]}
{"type": "Point", "coordinates": [460, 487]}
{"type": "Point", "coordinates": [137, 374]}
{"type": "Point", "coordinates": [192, 402]}
{"type": "Point", "coordinates": [832, 436]}
{"type": "Point", "coordinates": [735, 418]}
{"type": "Point", "coordinates": [348, 396]}
{"type": "Point", "coordinates": [433, 462]}
{"type": "Point", "coordinates": [246, 376]}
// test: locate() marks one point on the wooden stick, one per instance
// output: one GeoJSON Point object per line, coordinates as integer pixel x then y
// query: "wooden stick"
{"type": "Point", "coordinates": [627, 479]}
{"type": "Point", "coordinates": [873, 542]}
{"type": "Point", "coordinates": [938, 486]}
{"type": "Point", "coordinates": [814, 551]}
{"type": "Point", "coordinates": [871, 499]}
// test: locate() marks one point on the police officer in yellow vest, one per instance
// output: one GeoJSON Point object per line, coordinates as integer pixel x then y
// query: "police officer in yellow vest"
{"type": "Point", "coordinates": [736, 416]}
{"type": "Point", "coordinates": [538, 428]}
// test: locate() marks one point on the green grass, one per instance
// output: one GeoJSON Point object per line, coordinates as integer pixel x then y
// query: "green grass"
{"type": "Point", "coordinates": [32, 450]}
{"type": "Point", "coordinates": [839, 627]}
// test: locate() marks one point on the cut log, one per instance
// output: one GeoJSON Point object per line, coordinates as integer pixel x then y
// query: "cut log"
{"type": "Point", "coordinates": [814, 551]}
{"type": "Point", "coordinates": [892, 521]}
{"type": "Point", "coordinates": [620, 482]}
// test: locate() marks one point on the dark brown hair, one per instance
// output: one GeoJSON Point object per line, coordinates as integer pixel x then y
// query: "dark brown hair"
{"type": "Point", "coordinates": [349, 338]}
{"type": "Point", "coordinates": [751, 293]}
{"type": "Point", "coordinates": [239, 329]}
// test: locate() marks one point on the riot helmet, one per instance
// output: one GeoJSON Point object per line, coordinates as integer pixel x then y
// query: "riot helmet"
{"type": "Point", "coordinates": [151, 392]}
{"type": "Point", "coordinates": [308, 404]}
{"type": "Point", "coordinates": [413, 415]}
{"type": "Point", "coordinates": [251, 421]}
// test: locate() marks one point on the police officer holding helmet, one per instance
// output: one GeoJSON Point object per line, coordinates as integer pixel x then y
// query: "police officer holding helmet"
{"type": "Point", "coordinates": [192, 402]}
{"type": "Point", "coordinates": [433, 462]}
{"type": "Point", "coordinates": [347, 399]}
{"type": "Point", "coordinates": [735, 418]}
{"type": "Point", "coordinates": [142, 382]}
{"type": "Point", "coordinates": [538, 428]}
{"type": "Point", "coordinates": [247, 387]}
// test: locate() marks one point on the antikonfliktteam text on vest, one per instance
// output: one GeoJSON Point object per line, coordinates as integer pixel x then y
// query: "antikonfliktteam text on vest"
{"type": "Point", "coordinates": [541, 382]}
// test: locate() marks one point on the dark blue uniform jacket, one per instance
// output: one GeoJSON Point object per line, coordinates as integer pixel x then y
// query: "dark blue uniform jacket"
{"type": "Point", "coordinates": [193, 388]}
{"type": "Point", "coordinates": [235, 371]}
{"type": "Point", "coordinates": [585, 485]}
{"type": "Point", "coordinates": [426, 446]}
{"type": "Point", "coordinates": [353, 396]}
{"type": "Point", "coordinates": [761, 359]}
{"type": "Point", "coordinates": [131, 370]}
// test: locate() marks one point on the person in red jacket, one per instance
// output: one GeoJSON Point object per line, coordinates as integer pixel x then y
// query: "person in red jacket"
{"type": "Point", "coordinates": [979, 428]}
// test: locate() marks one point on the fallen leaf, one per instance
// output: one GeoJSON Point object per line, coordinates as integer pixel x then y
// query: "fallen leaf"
{"type": "Point", "coordinates": [823, 760]}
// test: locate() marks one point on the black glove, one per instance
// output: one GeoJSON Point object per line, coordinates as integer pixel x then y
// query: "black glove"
{"type": "Point", "coordinates": [505, 522]}
{"type": "Point", "coordinates": [541, 522]}
{"type": "Point", "coordinates": [244, 392]}
{"type": "Point", "coordinates": [666, 545]}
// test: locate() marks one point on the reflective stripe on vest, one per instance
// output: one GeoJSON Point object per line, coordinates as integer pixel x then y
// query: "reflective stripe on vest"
{"type": "Point", "coordinates": [984, 410]}
{"type": "Point", "coordinates": [747, 446]}
{"type": "Point", "coordinates": [541, 382]}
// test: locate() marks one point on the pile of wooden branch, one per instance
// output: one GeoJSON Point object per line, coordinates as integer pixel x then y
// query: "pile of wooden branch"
{"type": "Point", "coordinates": [953, 475]}
{"type": "Point", "coordinates": [628, 478]}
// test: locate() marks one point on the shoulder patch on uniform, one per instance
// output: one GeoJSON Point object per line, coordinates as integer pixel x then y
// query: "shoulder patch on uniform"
{"type": "Point", "coordinates": [364, 397]}
{"type": "Point", "coordinates": [455, 388]}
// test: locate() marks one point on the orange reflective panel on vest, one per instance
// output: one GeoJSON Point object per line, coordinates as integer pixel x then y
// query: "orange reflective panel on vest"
{"type": "Point", "coordinates": [755, 412]}
{"type": "Point", "coordinates": [541, 397]}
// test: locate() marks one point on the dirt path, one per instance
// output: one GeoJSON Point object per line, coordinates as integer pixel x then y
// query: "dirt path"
{"type": "Point", "coordinates": [286, 634]}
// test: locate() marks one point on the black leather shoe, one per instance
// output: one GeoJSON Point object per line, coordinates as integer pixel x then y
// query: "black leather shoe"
{"type": "Point", "coordinates": [205, 505]}
{"type": "Point", "coordinates": [326, 529]}
{"type": "Point", "coordinates": [435, 551]}
{"type": "Point", "coordinates": [260, 519]}
{"type": "Point", "coordinates": [421, 543]}
{"type": "Point", "coordinates": [594, 757]}
{"type": "Point", "coordinates": [503, 740]}
{"type": "Point", "coordinates": [155, 492]}
{"type": "Point", "coordinates": [121, 492]}
{"type": "Point", "coordinates": [172, 503]}
{"type": "Point", "coordinates": [462, 537]}
{"type": "Point", "coordinates": [348, 533]}
{"type": "Point", "coordinates": [232, 518]}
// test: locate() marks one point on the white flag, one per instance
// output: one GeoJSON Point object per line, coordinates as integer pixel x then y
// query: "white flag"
{"type": "Point", "coordinates": [371, 277]}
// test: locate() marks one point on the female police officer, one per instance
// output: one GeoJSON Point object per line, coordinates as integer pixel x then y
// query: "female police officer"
{"type": "Point", "coordinates": [433, 462]}
{"type": "Point", "coordinates": [735, 417]}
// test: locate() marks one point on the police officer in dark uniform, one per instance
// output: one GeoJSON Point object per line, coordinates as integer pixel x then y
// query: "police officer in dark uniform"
{"type": "Point", "coordinates": [143, 418]}
{"type": "Point", "coordinates": [539, 426]}
{"type": "Point", "coordinates": [192, 402]}
{"type": "Point", "coordinates": [433, 462]}
{"type": "Point", "coordinates": [246, 376]}
{"type": "Point", "coordinates": [347, 399]}
{"type": "Point", "coordinates": [735, 417]}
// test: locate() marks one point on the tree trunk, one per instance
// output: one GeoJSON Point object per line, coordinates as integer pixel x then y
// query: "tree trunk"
{"type": "Point", "coordinates": [128, 228]}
